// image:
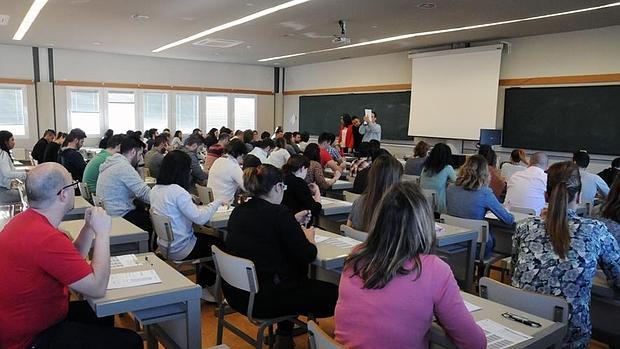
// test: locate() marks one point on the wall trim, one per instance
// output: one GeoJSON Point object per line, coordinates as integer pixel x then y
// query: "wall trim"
{"type": "Point", "coordinates": [159, 87]}
{"type": "Point", "coordinates": [545, 80]}
{"type": "Point", "coordinates": [16, 81]}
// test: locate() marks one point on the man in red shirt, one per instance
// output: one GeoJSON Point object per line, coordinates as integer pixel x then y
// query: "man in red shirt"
{"type": "Point", "coordinates": [326, 158]}
{"type": "Point", "coordinates": [39, 262]}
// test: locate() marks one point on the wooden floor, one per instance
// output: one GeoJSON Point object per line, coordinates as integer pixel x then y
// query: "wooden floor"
{"type": "Point", "coordinates": [209, 328]}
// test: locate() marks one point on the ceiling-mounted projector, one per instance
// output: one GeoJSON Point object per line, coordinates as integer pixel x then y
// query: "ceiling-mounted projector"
{"type": "Point", "coordinates": [342, 37]}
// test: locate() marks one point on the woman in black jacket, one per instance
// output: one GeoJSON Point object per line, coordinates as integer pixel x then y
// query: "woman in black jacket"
{"type": "Point", "coordinates": [299, 195]}
{"type": "Point", "coordinates": [268, 234]}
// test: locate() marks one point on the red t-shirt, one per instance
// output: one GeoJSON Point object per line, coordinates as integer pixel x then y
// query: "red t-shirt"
{"type": "Point", "coordinates": [325, 157]}
{"type": "Point", "coordinates": [37, 263]}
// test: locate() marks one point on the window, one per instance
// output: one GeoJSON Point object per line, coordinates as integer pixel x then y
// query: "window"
{"type": "Point", "coordinates": [121, 111]}
{"type": "Point", "coordinates": [245, 112]}
{"type": "Point", "coordinates": [12, 110]}
{"type": "Point", "coordinates": [155, 110]}
{"type": "Point", "coordinates": [187, 112]}
{"type": "Point", "coordinates": [217, 112]}
{"type": "Point", "coordinates": [84, 111]}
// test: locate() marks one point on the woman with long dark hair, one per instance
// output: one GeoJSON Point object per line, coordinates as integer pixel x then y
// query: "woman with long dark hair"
{"type": "Point", "coordinates": [177, 140]}
{"type": "Point", "coordinates": [170, 197]}
{"type": "Point", "coordinates": [384, 172]}
{"type": "Point", "coordinates": [438, 173]}
{"type": "Point", "coordinates": [392, 284]}
{"type": "Point", "coordinates": [610, 211]}
{"type": "Point", "coordinates": [315, 170]}
{"type": "Point", "coordinates": [345, 134]}
{"type": "Point", "coordinates": [299, 195]}
{"type": "Point", "coordinates": [103, 143]}
{"type": "Point", "coordinates": [7, 170]}
{"type": "Point", "coordinates": [557, 254]}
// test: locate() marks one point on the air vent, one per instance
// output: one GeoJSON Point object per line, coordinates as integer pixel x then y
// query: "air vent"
{"type": "Point", "coordinates": [4, 19]}
{"type": "Point", "coordinates": [220, 43]}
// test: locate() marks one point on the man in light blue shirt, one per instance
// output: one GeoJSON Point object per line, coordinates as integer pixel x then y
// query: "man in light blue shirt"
{"type": "Point", "coordinates": [591, 184]}
{"type": "Point", "coordinates": [370, 129]}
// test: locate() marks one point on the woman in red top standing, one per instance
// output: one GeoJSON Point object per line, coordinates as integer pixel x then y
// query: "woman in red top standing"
{"type": "Point", "coordinates": [345, 135]}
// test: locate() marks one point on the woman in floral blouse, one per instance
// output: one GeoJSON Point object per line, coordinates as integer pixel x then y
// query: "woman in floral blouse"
{"type": "Point", "coordinates": [558, 254]}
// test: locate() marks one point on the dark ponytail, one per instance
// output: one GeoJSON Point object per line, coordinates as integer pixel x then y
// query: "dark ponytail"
{"type": "Point", "coordinates": [563, 184]}
{"type": "Point", "coordinates": [260, 180]}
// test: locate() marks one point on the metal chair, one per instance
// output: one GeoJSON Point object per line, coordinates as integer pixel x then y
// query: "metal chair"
{"type": "Point", "coordinates": [163, 230]}
{"type": "Point", "coordinates": [353, 233]}
{"type": "Point", "coordinates": [318, 339]}
{"type": "Point", "coordinates": [349, 196]}
{"type": "Point", "coordinates": [482, 227]}
{"type": "Point", "coordinates": [84, 191]}
{"type": "Point", "coordinates": [431, 197]}
{"type": "Point", "coordinates": [33, 162]}
{"type": "Point", "coordinates": [548, 307]}
{"type": "Point", "coordinates": [241, 274]}
{"type": "Point", "coordinates": [21, 187]}
{"type": "Point", "coordinates": [97, 201]}
{"type": "Point", "coordinates": [205, 194]}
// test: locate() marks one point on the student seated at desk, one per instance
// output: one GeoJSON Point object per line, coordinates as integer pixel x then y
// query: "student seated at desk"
{"type": "Point", "coordinates": [268, 234]}
{"type": "Point", "coordinates": [154, 157]}
{"type": "Point", "coordinates": [315, 171]}
{"type": "Point", "coordinates": [592, 184]}
{"type": "Point", "coordinates": [384, 172]}
{"type": "Point", "coordinates": [414, 165]}
{"type": "Point", "coordinates": [518, 162]}
{"type": "Point", "coordinates": [91, 172]}
{"type": "Point", "coordinates": [39, 264]}
{"type": "Point", "coordinates": [192, 145]}
{"type": "Point", "coordinates": [326, 154]}
{"type": "Point", "coordinates": [262, 149]}
{"type": "Point", "coordinates": [8, 195]}
{"type": "Point", "coordinates": [392, 285]}
{"type": "Point", "coordinates": [610, 210]}
{"type": "Point", "coordinates": [52, 148]}
{"type": "Point", "coordinates": [558, 254]}
{"type": "Point", "coordinates": [609, 174]}
{"type": "Point", "coordinates": [438, 173]}
{"type": "Point", "coordinates": [363, 160]}
{"type": "Point", "coordinates": [226, 176]}
{"type": "Point", "coordinates": [120, 186]}
{"type": "Point", "coordinates": [216, 151]}
{"type": "Point", "coordinates": [470, 196]}
{"type": "Point", "coordinates": [497, 182]}
{"type": "Point", "coordinates": [170, 197]}
{"type": "Point", "coordinates": [70, 157]}
{"type": "Point", "coordinates": [361, 177]}
{"type": "Point", "coordinates": [299, 195]}
{"type": "Point", "coordinates": [279, 156]}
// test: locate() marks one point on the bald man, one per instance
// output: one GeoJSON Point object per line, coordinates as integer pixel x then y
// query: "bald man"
{"type": "Point", "coordinates": [526, 189]}
{"type": "Point", "coordinates": [39, 263]}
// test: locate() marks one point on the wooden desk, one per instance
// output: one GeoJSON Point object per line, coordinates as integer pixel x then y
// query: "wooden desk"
{"type": "Point", "coordinates": [79, 208]}
{"type": "Point", "coordinates": [549, 334]}
{"type": "Point", "coordinates": [124, 236]}
{"type": "Point", "coordinates": [172, 305]}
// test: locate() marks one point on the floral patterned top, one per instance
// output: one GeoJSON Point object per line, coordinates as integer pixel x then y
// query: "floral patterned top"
{"type": "Point", "coordinates": [359, 165]}
{"type": "Point", "coordinates": [539, 269]}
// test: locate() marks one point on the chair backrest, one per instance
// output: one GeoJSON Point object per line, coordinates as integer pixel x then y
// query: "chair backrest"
{"type": "Point", "coordinates": [33, 162]}
{"type": "Point", "coordinates": [163, 229]}
{"type": "Point", "coordinates": [524, 210]}
{"type": "Point", "coordinates": [84, 191]}
{"type": "Point", "coordinates": [548, 307]}
{"type": "Point", "coordinates": [585, 208]}
{"type": "Point", "coordinates": [353, 233]}
{"type": "Point", "coordinates": [410, 178]}
{"type": "Point", "coordinates": [349, 196]}
{"type": "Point", "coordinates": [21, 187]}
{"type": "Point", "coordinates": [431, 197]}
{"type": "Point", "coordinates": [97, 201]}
{"type": "Point", "coordinates": [481, 226]}
{"type": "Point", "coordinates": [318, 339]}
{"type": "Point", "coordinates": [205, 194]}
{"type": "Point", "coordinates": [237, 272]}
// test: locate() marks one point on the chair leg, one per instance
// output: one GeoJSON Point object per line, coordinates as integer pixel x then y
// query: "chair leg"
{"type": "Point", "coordinates": [270, 337]}
{"type": "Point", "coordinates": [220, 324]}
{"type": "Point", "coordinates": [260, 337]}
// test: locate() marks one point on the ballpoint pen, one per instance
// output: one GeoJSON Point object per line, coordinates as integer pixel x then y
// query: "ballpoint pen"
{"type": "Point", "coordinates": [521, 319]}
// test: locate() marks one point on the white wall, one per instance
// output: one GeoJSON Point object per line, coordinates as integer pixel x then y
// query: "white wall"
{"type": "Point", "coordinates": [595, 51]}
{"type": "Point", "coordinates": [16, 63]}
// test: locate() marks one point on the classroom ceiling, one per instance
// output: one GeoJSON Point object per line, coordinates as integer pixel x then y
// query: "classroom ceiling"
{"type": "Point", "coordinates": [108, 26]}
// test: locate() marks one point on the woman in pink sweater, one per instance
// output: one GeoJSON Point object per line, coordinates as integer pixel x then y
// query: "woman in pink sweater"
{"type": "Point", "coordinates": [391, 286]}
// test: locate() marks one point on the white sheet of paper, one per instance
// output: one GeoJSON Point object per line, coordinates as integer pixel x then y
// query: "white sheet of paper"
{"type": "Point", "coordinates": [439, 230]}
{"type": "Point", "coordinates": [490, 215]}
{"type": "Point", "coordinates": [499, 336]}
{"type": "Point", "coordinates": [320, 238]}
{"type": "Point", "coordinates": [342, 242]}
{"type": "Point", "coordinates": [133, 279]}
{"type": "Point", "coordinates": [471, 307]}
{"type": "Point", "coordinates": [225, 209]}
{"type": "Point", "coordinates": [124, 261]}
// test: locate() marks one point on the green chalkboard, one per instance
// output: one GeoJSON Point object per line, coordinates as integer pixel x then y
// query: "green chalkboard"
{"type": "Point", "coordinates": [319, 114]}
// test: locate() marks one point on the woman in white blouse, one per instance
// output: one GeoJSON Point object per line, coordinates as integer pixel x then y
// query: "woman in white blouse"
{"type": "Point", "coordinates": [226, 175]}
{"type": "Point", "coordinates": [170, 198]}
{"type": "Point", "coordinates": [177, 141]}
{"type": "Point", "coordinates": [7, 170]}
{"type": "Point", "coordinates": [280, 155]}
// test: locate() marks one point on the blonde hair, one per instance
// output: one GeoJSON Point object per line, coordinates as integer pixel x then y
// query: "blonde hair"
{"type": "Point", "coordinates": [474, 174]}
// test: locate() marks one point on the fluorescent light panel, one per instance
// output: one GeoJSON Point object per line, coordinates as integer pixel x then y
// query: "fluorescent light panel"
{"type": "Point", "coordinates": [443, 31]}
{"type": "Point", "coordinates": [236, 22]}
{"type": "Point", "coordinates": [31, 15]}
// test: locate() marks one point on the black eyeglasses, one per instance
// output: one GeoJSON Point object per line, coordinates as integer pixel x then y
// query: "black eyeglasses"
{"type": "Point", "coordinates": [75, 183]}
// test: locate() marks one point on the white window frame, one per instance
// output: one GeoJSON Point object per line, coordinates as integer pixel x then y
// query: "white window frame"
{"type": "Point", "coordinates": [24, 89]}
{"type": "Point", "coordinates": [106, 121]}
{"type": "Point", "coordinates": [170, 121]}
{"type": "Point", "coordinates": [102, 107]}
{"type": "Point", "coordinates": [199, 96]}
{"type": "Point", "coordinates": [231, 104]}
{"type": "Point", "coordinates": [229, 111]}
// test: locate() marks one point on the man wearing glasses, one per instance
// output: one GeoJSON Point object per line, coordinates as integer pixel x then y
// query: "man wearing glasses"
{"type": "Point", "coordinates": [39, 263]}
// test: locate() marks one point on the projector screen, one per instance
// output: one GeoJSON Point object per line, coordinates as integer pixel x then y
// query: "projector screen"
{"type": "Point", "coordinates": [454, 93]}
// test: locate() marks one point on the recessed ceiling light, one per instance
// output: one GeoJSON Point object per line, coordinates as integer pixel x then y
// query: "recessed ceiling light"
{"type": "Point", "coordinates": [97, 43]}
{"type": "Point", "coordinates": [427, 6]}
{"type": "Point", "coordinates": [31, 15]}
{"type": "Point", "coordinates": [236, 22]}
{"type": "Point", "coordinates": [138, 17]}
{"type": "Point", "coordinates": [374, 26]}
{"type": "Point", "coordinates": [443, 31]}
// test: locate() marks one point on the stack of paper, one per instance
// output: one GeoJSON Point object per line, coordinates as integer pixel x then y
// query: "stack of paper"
{"type": "Point", "coordinates": [225, 209]}
{"type": "Point", "coordinates": [128, 260]}
{"type": "Point", "coordinates": [343, 242]}
{"type": "Point", "coordinates": [499, 336]}
{"type": "Point", "coordinates": [471, 307]}
{"type": "Point", "coordinates": [133, 279]}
